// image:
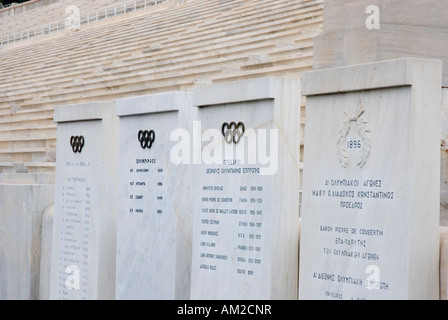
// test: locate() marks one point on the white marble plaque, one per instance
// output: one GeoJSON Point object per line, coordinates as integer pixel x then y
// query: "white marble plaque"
{"type": "Point", "coordinates": [154, 233]}
{"type": "Point", "coordinates": [370, 210]}
{"type": "Point", "coordinates": [83, 259]}
{"type": "Point", "coordinates": [245, 230]}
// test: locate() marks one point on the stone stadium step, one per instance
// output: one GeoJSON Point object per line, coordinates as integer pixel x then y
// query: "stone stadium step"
{"type": "Point", "coordinates": [30, 124]}
{"type": "Point", "coordinates": [166, 30]}
{"type": "Point", "coordinates": [49, 14]}
{"type": "Point", "coordinates": [21, 117]}
{"type": "Point", "coordinates": [97, 63]}
{"type": "Point", "coordinates": [50, 71]}
{"type": "Point", "coordinates": [103, 49]}
{"type": "Point", "coordinates": [175, 48]}
{"type": "Point", "coordinates": [290, 70]}
{"type": "Point", "coordinates": [12, 153]}
{"type": "Point", "coordinates": [31, 62]}
{"type": "Point", "coordinates": [26, 134]}
{"type": "Point", "coordinates": [27, 167]}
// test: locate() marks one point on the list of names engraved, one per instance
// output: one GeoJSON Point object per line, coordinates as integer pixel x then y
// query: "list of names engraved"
{"type": "Point", "coordinates": [232, 210]}
{"type": "Point", "coordinates": [74, 230]}
{"type": "Point", "coordinates": [75, 244]}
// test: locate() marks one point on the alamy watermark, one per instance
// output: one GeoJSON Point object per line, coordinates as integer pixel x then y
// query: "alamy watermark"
{"type": "Point", "coordinates": [232, 145]}
{"type": "Point", "coordinates": [373, 281]}
{"type": "Point", "coordinates": [73, 22]}
{"type": "Point", "coordinates": [373, 20]}
{"type": "Point", "coordinates": [72, 281]}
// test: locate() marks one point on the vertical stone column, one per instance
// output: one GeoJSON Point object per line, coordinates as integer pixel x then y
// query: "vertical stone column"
{"type": "Point", "coordinates": [84, 232]}
{"type": "Point", "coordinates": [245, 229]}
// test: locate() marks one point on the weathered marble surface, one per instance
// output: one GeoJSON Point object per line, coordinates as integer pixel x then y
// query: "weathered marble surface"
{"type": "Point", "coordinates": [416, 28]}
{"type": "Point", "coordinates": [371, 182]}
{"type": "Point", "coordinates": [22, 206]}
{"type": "Point", "coordinates": [342, 15]}
{"type": "Point", "coordinates": [245, 228]}
{"type": "Point", "coordinates": [154, 200]}
{"type": "Point", "coordinates": [45, 253]}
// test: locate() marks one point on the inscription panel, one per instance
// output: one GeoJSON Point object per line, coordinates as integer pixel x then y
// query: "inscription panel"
{"type": "Point", "coordinates": [370, 210]}
{"type": "Point", "coordinates": [358, 200]}
{"type": "Point", "coordinates": [146, 236]}
{"type": "Point", "coordinates": [246, 215]}
{"type": "Point", "coordinates": [232, 206]}
{"type": "Point", "coordinates": [77, 187]}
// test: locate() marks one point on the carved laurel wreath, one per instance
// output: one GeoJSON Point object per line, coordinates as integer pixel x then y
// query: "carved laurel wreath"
{"type": "Point", "coordinates": [363, 131]}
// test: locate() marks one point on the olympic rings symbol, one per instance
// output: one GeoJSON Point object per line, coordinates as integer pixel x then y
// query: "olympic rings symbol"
{"type": "Point", "coordinates": [77, 143]}
{"type": "Point", "coordinates": [146, 138]}
{"type": "Point", "coordinates": [233, 131]}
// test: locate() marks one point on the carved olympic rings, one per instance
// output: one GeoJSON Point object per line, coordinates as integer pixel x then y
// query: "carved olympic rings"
{"type": "Point", "coordinates": [146, 138]}
{"type": "Point", "coordinates": [77, 143]}
{"type": "Point", "coordinates": [233, 131]}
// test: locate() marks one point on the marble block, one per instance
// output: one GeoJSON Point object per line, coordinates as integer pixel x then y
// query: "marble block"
{"type": "Point", "coordinates": [154, 199]}
{"type": "Point", "coordinates": [371, 182]}
{"type": "Point", "coordinates": [358, 46]}
{"type": "Point", "coordinates": [246, 215]}
{"type": "Point", "coordinates": [22, 206]}
{"type": "Point", "coordinates": [83, 248]}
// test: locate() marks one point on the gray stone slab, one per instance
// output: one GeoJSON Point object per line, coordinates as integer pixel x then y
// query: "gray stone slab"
{"type": "Point", "coordinates": [21, 212]}
{"type": "Point", "coordinates": [245, 228]}
{"type": "Point", "coordinates": [154, 200]}
{"type": "Point", "coordinates": [390, 42]}
{"type": "Point", "coordinates": [328, 51]}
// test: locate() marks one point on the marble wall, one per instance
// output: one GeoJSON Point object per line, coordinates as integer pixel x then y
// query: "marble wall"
{"type": "Point", "coordinates": [23, 199]}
